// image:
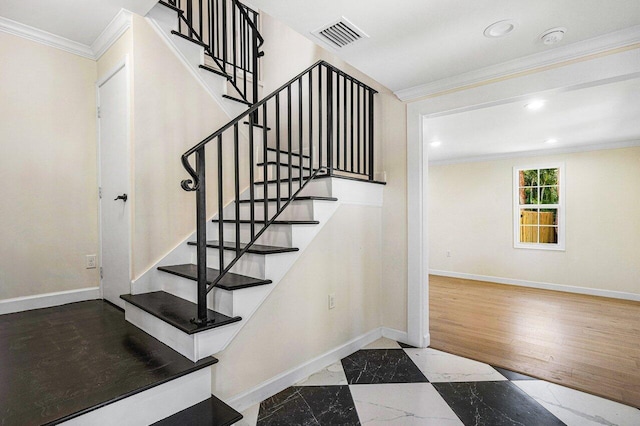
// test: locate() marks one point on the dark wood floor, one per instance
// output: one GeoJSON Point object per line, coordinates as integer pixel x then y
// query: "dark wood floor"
{"type": "Point", "coordinates": [56, 363]}
{"type": "Point", "coordinates": [584, 342]}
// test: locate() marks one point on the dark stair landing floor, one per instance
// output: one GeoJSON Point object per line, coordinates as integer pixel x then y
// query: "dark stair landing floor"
{"type": "Point", "coordinates": [61, 362]}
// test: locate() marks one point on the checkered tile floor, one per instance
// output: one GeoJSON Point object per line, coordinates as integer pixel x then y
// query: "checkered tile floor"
{"type": "Point", "coordinates": [390, 383]}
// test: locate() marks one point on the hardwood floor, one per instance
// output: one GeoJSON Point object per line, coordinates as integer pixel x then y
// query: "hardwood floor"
{"type": "Point", "coordinates": [585, 342]}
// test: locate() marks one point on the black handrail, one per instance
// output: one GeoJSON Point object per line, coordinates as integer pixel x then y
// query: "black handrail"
{"type": "Point", "coordinates": [228, 32]}
{"type": "Point", "coordinates": [300, 124]}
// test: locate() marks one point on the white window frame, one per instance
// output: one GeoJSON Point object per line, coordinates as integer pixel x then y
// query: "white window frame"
{"type": "Point", "coordinates": [560, 245]}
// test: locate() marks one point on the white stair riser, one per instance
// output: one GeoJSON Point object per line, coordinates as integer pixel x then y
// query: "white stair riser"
{"type": "Point", "coordinates": [296, 210]}
{"type": "Point", "coordinates": [284, 157]}
{"type": "Point", "coordinates": [275, 235]}
{"type": "Point", "coordinates": [317, 187]}
{"type": "Point", "coordinates": [249, 264]}
{"type": "Point", "coordinates": [272, 171]}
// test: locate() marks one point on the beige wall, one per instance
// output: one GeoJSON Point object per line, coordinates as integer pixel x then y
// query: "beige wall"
{"type": "Point", "coordinates": [294, 325]}
{"type": "Point", "coordinates": [288, 53]}
{"type": "Point", "coordinates": [470, 214]}
{"type": "Point", "coordinates": [48, 186]}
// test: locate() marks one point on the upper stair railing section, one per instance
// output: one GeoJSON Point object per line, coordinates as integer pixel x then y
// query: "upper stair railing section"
{"type": "Point", "coordinates": [319, 123]}
{"type": "Point", "coordinates": [228, 31]}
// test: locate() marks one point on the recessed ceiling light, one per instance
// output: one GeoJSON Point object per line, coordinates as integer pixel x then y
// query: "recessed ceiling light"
{"type": "Point", "coordinates": [500, 29]}
{"type": "Point", "coordinates": [551, 141]}
{"type": "Point", "coordinates": [535, 104]}
{"type": "Point", "coordinates": [435, 144]}
{"type": "Point", "coordinates": [553, 36]}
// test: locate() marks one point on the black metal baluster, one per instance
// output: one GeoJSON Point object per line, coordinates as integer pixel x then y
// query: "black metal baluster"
{"type": "Point", "coordinates": [234, 44]}
{"type": "Point", "coordinates": [190, 17]}
{"type": "Point", "coordinates": [220, 206]}
{"type": "Point", "coordinates": [201, 237]}
{"type": "Point", "coordinates": [344, 111]}
{"type": "Point", "coordinates": [225, 41]}
{"type": "Point", "coordinates": [210, 26]}
{"type": "Point", "coordinates": [179, 20]}
{"type": "Point", "coordinates": [289, 163]}
{"type": "Point", "coordinates": [337, 120]}
{"type": "Point", "coordinates": [330, 121]}
{"type": "Point", "coordinates": [264, 169]}
{"type": "Point", "coordinates": [351, 126]}
{"type": "Point", "coordinates": [236, 160]}
{"type": "Point", "coordinates": [371, 118]}
{"type": "Point", "coordinates": [251, 178]}
{"type": "Point", "coordinates": [277, 151]}
{"type": "Point", "coordinates": [300, 150]}
{"type": "Point", "coordinates": [310, 122]}
{"type": "Point", "coordinates": [358, 114]}
{"type": "Point", "coordinates": [200, 18]}
{"type": "Point", "coordinates": [365, 128]}
{"type": "Point", "coordinates": [320, 116]}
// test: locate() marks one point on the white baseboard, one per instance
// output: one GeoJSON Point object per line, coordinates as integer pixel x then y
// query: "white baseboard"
{"type": "Point", "coordinates": [48, 300]}
{"type": "Point", "coordinates": [545, 286]}
{"type": "Point", "coordinates": [282, 381]}
{"type": "Point", "coordinates": [397, 335]}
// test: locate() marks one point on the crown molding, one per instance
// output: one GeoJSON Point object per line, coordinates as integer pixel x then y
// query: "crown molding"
{"type": "Point", "coordinates": [592, 46]}
{"type": "Point", "coordinates": [538, 152]}
{"type": "Point", "coordinates": [46, 38]}
{"type": "Point", "coordinates": [118, 25]}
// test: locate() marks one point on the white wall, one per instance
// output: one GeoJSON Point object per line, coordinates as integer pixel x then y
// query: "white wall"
{"type": "Point", "coordinates": [470, 214]}
{"type": "Point", "coordinates": [48, 186]}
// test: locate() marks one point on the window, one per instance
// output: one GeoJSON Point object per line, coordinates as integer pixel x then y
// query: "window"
{"type": "Point", "coordinates": [538, 207]}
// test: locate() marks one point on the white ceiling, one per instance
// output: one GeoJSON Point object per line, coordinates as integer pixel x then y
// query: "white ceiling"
{"type": "Point", "coordinates": [414, 42]}
{"type": "Point", "coordinates": [602, 115]}
{"type": "Point", "coordinates": [81, 21]}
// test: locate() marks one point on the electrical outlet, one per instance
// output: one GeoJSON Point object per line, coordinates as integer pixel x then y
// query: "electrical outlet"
{"type": "Point", "coordinates": [90, 261]}
{"type": "Point", "coordinates": [448, 253]}
{"type": "Point", "coordinates": [332, 300]}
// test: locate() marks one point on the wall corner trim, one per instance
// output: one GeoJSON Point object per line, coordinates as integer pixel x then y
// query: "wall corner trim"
{"type": "Point", "coordinates": [19, 304]}
{"type": "Point", "coordinates": [540, 285]}
{"type": "Point", "coordinates": [118, 25]}
{"type": "Point", "coordinates": [270, 387]}
{"type": "Point", "coordinates": [46, 38]}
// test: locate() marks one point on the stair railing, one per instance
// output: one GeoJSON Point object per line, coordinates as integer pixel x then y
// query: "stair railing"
{"type": "Point", "coordinates": [321, 122]}
{"type": "Point", "coordinates": [228, 31]}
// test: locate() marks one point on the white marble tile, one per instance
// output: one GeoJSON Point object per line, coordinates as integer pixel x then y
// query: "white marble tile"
{"type": "Point", "coordinates": [440, 366]}
{"type": "Point", "coordinates": [332, 375]}
{"type": "Point", "coordinates": [249, 416]}
{"type": "Point", "coordinates": [577, 408]}
{"type": "Point", "coordinates": [383, 343]}
{"type": "Point", "coordinates": [402, 404]}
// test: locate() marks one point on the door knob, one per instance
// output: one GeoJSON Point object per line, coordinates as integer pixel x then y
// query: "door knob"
{"type": "Point", "coordinates": [122, 197]}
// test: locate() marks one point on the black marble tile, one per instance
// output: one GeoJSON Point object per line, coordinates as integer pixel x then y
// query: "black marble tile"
{"type": "Point", "coordinates": [210, 412]}
{"type": "Point", "coordinates": [494, 404]}
{"type": "Point", "coordinates": [309, 405]}
{"type": "Point", "coordinates": [60, 362]}
{"type": "Point", "coordinates": [512, 375]}
{"type": "Point", "coordinates": [381, 366]}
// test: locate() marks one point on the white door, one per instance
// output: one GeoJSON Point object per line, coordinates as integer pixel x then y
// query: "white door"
{"type": "Point", "coordinates": [113, 125]}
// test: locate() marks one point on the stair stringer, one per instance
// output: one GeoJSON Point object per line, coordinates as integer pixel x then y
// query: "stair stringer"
{"type": "Point", "coordinates": [242, 302]}
{"type": "Point", "coordinates": [163, 20]}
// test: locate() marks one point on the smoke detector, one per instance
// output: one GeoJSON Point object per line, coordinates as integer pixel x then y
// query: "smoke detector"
{"type": "Point", "coordinates": [553, 36]}
{"type": "Point", "coordinates": [340, 33]}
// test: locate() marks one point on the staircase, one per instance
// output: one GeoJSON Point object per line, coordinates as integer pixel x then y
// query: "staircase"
{"type": "Point", "coordinates": [265, 183]}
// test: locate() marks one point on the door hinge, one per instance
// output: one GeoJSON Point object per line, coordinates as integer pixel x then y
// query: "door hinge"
{"type": "Point", "coordinates": [101, 273]}
{"type": "Point", "coordinates": [100, 192]}
{"type": "Point", "coordinates": [99, 113]}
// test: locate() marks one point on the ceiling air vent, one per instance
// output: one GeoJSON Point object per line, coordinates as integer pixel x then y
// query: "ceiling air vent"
{"type": "Point", "coordinates": [340, 33]}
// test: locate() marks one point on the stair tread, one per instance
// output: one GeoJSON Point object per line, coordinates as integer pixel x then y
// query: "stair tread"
{"type": "Point", "coordinates": [215, 71]}
{"type": "Point", "coordinates": [229, 282]}
{"type": "Point", "coordinates": [275, 222]}
{"type": "Point", "coordinates": [255, 248]}
{"type": "Point", "coordinates": [176, 311]}
{"type": "Point", "coordinates": [170, 6]}
{"type": "Point", "coordinates": [211, 411]}
{"type": "Point", "coordinates": [293, 154]}
{"type": "Point", "coordinates": [301, 198]}
{"type": "Point", "coordinates": [242, 101]}
{"type": "Point", "coordinates": [322, 176]}
{"type": "Point", "coordinates": [275, 163]}
{"type": "Point", "coordinates": [179, 34]}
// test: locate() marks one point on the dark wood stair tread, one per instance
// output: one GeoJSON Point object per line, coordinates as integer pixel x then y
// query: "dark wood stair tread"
{"type": "Point", "coordinates": [176, 311]}
{"type": "Point", "coordinates": [255, 248]}
{"type": "Point", "coordinates": [293, 154]}
{"type": "Point", "coordinates": [301, 198]}
{"type": "Point", "coordinates": [211, 411]}
{"type": "Point", "coordinates": [215, 71]}
{"type": "Point", "coordinates": [229, 282]}
{"type": "Point", "coordinates": [242, 101]}
{"type": "Point", "coordinates": [170, 6]}
{"type": "Point", "coordinates": [275, 163]}
{"type": "Point", "coordinates": [321, 176]}
{"type": "Point", "coordinates": [275, 222]}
